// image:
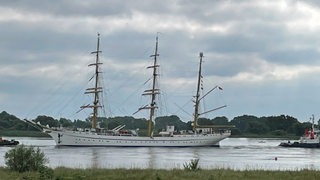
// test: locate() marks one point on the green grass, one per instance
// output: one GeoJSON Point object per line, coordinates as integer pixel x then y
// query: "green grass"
{"type": "Point", "coordinates": [150, 174]}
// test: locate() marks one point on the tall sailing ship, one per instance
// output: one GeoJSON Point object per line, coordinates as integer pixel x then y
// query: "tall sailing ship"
{"type": "Point", "coordinates": [199, 136]}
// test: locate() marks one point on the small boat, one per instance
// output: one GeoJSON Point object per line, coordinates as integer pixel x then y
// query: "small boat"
{"type": "Point", "coordinates": [4, 142]}
{"type": "Point", "coordinates": [95, 136]}
{"type": "Point", "coordinates": [310, 139]}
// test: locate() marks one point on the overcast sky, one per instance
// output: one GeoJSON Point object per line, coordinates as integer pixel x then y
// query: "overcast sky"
{"type": "Point", "coordinates": [264, 54]}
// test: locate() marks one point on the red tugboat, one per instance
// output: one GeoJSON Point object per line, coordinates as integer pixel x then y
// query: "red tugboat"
{"type": "Point", "coordinates": [4, 142]}
{"type": "Point", "coordinates": [310, 139]}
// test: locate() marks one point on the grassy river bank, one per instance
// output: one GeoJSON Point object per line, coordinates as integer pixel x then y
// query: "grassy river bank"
{"type": "Point", "coordinates": [149, 174]}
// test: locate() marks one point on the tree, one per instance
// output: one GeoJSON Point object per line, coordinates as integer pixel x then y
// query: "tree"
{"type": "Point", "coordinates": [46, 120]}
{"type": "Point", "coordinates": [129, 122]}
{"type": "Point", "coordinates": [65, 122]}
{"type": "Point", "coordinates": [242, 122]}
{"type": "Point", "coordinates": [281, 122]}
{"type": "Point", "coordinates": [82, 124]}
{"type": "Point", "coordinates": [24, 159]}
{"type": "Point", "coordinates": [220, 120]}
{"type": "Point", "coordinates": [257, 128]}
{"type": "Point", "coordinates": [8, 121]}
{"type": "Point", "coordinates": [173, 120]}
{"type": "Point", "coordinates": [235, 131]}
{"type": "Point", "coordinates": [204, 121]}
{"type": "Point", "coordinates": [297, 128]}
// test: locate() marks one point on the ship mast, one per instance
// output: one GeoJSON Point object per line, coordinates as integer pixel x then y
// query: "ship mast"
{"type": "Point", "coordinates": [196, 106]}
{"type": "Point", "coordinates": [198, 98]}
{"type": "Point", "coordinates": [96, 89]}
{"type": "Point", "coordinates": [153, 91]}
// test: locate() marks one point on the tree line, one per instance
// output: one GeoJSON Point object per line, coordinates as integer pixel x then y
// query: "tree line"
{"type": "Point", "coordinates": [281, 125]}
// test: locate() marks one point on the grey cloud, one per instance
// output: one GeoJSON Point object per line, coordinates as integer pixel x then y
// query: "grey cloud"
{"type": "Point", "coordinates": [254, 35]}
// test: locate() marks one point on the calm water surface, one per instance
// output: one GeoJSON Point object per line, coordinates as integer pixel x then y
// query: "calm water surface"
{"type": "Point", "coordinates": [234, 153]}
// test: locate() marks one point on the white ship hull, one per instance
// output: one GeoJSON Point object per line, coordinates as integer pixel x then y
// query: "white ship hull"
{"type": "Point", "coordinates": [75, 138]}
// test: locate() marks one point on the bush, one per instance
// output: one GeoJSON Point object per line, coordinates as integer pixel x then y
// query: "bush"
{"type": "Point", "coordinates": [193, 165]}
{"type": "Point", "coordinates": [24, 159]}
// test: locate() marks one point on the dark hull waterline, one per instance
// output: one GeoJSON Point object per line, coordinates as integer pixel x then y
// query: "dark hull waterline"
{"type": "Point", "coordinates": [300, 145]}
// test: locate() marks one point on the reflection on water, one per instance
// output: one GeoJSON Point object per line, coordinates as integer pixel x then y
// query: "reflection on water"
{"type": "Point", "coordinates": [95, 158]}
{"type": "Point", "coordinates": [234, 153]}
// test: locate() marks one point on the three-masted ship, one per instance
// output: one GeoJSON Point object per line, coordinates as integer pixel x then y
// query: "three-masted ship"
{"type": "Point", "coordinates": [200, 136]}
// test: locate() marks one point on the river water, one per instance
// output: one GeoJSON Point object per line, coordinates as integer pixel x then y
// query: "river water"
{"type": "Point", "coordinates": [233, 153]}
